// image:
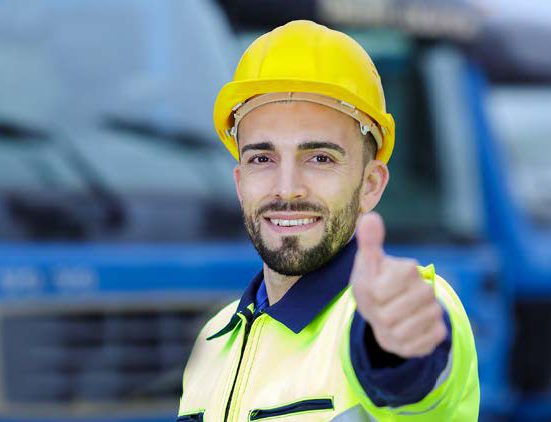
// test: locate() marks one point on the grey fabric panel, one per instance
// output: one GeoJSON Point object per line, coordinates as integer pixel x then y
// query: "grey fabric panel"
{"type": "Point", "coordinates": [446, 371]}
{"type": "Point", "coordinates": [433, 406]}
{"type": "Point", "coordinates": [354, 414]}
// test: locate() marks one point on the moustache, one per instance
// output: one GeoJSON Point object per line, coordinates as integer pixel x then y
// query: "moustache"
{"type": "Point", "coordinates": [290, 206]}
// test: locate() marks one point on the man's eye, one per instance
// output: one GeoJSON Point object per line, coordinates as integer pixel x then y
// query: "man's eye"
{"type": "Point", "coordinates": [258, 159]}
{"type": "Point", "coordinates": [322, 159]}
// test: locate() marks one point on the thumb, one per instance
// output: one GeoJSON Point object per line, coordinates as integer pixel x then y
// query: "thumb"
{"type": "Point", "coordinates": [370, 236]}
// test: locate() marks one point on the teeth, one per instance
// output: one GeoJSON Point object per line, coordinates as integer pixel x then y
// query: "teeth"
{"type": "Point", "coordinates": [289, 223]}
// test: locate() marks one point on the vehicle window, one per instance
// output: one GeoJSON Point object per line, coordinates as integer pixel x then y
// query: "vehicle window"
{"type": "Point", "coordinates": [520, 119]}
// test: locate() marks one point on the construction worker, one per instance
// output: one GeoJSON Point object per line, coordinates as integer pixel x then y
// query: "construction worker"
{"type": "Point", "coordinates": [332, 328]}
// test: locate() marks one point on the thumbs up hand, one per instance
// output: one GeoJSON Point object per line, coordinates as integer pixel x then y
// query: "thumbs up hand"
{"type": "Point", "coordinates": [391, 296]}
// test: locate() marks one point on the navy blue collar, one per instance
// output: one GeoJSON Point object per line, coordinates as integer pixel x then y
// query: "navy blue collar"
{"type": "Point", "coordinates": [306, 298]}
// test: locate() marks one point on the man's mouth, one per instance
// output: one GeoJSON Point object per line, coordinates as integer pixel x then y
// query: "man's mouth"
{"type": "Point", "coordinates": [288, 224]}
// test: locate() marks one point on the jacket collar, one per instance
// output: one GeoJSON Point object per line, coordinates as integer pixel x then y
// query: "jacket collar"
{"type": "Point", "coordinates": [306, 298]}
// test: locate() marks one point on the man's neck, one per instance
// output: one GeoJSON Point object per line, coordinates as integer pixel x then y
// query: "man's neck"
{"type": "Point", "coordinates": [277, 284]}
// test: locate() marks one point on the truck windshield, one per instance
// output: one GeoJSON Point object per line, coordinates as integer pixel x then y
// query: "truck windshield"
{"type": "Point", "coordinates": [520, 118]}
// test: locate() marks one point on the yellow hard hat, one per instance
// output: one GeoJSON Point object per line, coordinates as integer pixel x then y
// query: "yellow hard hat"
{"type": "Point", "coordinates": [305, 57]}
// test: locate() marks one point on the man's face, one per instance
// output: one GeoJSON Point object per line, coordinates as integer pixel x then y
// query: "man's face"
{"type": "Point", "coordinates": [301, 182]}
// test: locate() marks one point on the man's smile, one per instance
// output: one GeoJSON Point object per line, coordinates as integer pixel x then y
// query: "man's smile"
{"type": "Point", "coordinates": [291, 223]}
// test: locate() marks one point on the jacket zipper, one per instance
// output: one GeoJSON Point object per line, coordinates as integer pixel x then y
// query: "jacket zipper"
{"type": "Point", "coordinates": [249, 318]}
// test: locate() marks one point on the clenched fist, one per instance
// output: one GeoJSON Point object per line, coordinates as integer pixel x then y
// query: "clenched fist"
{"type": "Point", "coordinates": [391, 296]}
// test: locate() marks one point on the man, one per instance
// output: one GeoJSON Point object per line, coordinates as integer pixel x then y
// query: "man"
{"type": "Point", "coordinates": [331, 328]}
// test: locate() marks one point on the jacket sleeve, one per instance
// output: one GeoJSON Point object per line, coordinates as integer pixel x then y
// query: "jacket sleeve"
{"type": "Point", "coordinates": [455, 393]}
{"type": "Point", "coordinates": [390, 380]}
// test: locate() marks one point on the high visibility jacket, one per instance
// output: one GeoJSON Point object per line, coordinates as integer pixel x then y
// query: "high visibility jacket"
{"type": "Point", "coordinates": [292, 361]}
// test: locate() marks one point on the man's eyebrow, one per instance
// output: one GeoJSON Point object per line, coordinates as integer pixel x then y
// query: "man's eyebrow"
{"type": "Point", "coordinates": [264, 146]}
{"type": "Point", "coordinates": [321, 144]}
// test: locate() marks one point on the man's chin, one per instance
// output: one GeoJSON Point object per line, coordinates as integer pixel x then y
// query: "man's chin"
{"type": "Point", "coordinates": [285, 262]}
{"type": "Point", "coordinates": [289, 258]}
{"type": "Point", "coordinates": [299, 242]}
{"type": "Point", "coordinates": [287, 271]}
{"type": "Point", "coordinates": [284, 245]}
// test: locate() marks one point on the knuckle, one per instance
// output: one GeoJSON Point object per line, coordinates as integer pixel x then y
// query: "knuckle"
{"type": "Point", "coordinates": [386, 318]}
{"type": "Point", "coordinates": [408, 262]}
{"type": "Point", "coordinates": [441, 331]}
{"type": "Point", "coordinates": [408, 350]}
{"type": "Point", "coordinates": [399, 334]}
{"type": "Point", "coordinates": [383, 340]}
{"type": "Point", "coordinates": [423, 351]}
{"type": "Point", "coordinates": [412, 271]}
{"type": "Point", "coordinates": [367, 315]}
{"type": "Point", "coordinates": [379, 295]}
{"type": "Point", "coordinates": [362, 290]}
{"type": "Point", "coordinates": [409, 266]}
{"type": "Point", "coordinates": [426, 292]}
{"type": "Point", "coordinates": [436, 311]}
{"type": "Point", "coordinates": [388, 345]}
{"type": "Point", "coordinates": [358, 281]}
{"type": "Point", "coordinates": [416, 353]}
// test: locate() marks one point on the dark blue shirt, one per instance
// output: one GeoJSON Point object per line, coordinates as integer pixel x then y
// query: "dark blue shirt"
{"type": "Point", "coordinates": [261, 298]}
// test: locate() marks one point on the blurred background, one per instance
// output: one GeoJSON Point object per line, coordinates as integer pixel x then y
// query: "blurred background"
{"type": "Point", "coordinates": [119, 230]}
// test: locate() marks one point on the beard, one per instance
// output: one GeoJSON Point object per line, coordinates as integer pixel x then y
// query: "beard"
{"type": "Point", "coordinates": [290, 259]}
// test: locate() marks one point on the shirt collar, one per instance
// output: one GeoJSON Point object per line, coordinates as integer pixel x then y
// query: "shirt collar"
{"type": "Point", "coordinates": [306, 298]}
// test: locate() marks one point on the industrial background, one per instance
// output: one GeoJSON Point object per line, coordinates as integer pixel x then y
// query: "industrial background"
{"type": "Point", "coordinates": [120, 233]}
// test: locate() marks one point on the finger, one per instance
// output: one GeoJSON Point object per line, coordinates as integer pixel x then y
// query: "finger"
{"type": "Point", "coordinates": [370, 237]}
{"type": "Point", "coordinates": [417, 324]}
{"type": "Point", "coordinates": [416, 297]}
{"type": "Point", "coordinates": [425, 343]}
{"type": "Point", "coordinates": [396, 277]}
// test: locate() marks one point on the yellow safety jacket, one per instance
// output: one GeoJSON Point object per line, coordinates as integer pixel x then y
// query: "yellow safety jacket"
{"type": "Point", "coordinates": [292, 362]}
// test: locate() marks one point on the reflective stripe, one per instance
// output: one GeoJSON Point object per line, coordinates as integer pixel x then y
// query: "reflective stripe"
{"type": "Point", "coordinates": [433, 406]}
{"type": "Point", "coordinates": [446, 371]}
{"type": "Point", "coordinates": [441, 378]}
{"type": "Point", "coordinates": [354, 414]}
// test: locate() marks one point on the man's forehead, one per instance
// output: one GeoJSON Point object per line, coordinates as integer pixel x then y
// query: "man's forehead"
{"type": "Point", "coordinates": [296, 122]}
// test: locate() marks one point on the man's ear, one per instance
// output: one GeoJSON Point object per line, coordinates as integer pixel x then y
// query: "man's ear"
{"type": "Point", "coordinates": [375, 180]}
{"type": "Point", "coordinates": [237, 181]}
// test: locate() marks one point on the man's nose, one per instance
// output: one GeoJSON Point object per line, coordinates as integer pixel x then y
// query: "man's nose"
{"type": "Point", "coordinates": [289, 183]}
